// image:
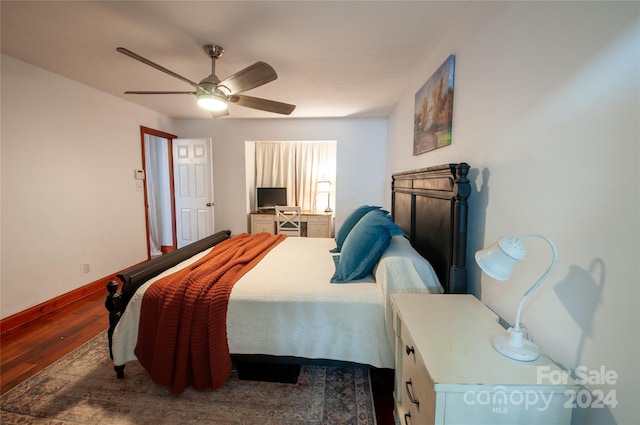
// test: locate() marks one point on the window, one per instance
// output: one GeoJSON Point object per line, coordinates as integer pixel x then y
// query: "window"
{"type": "Point", "coordinates": [298, 166]}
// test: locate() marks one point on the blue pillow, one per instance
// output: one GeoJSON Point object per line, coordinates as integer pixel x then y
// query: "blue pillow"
{"type": "Point", "coordinates": [364, 245]}
{"type": "Point", "coordinates": [348, 224]}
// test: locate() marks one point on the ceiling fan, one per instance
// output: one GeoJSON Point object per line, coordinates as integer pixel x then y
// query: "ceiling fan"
{"type": "Point", "coordinates": [214, 94]}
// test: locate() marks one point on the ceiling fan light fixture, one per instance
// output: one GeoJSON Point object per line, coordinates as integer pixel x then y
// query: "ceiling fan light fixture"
{"type": "Point", "coordinates": [214, 94]}
{"type": "Point", "coordinates": [212, 102]}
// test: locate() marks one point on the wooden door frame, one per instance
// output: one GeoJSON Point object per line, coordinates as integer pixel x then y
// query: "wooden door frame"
{"type": "Point", "coordinates": [150, 131]}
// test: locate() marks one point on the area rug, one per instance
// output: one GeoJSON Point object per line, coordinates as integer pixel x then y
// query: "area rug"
{"type": "Point", "coordinates": [82, 389]}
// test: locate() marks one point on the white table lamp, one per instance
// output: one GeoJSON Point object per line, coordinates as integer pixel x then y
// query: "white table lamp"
{"type": "Point", "coordinates": [498, 261]}
{"type": "Point", "coordinates": [324, 186]}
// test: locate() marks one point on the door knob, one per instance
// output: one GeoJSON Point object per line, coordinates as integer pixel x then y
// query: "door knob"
{"type": "Point", "coordinates": [209, 204]}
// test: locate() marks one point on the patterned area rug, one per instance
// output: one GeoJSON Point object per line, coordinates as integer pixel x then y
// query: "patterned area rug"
{"type": "Point", "coordinates": [82, 389]}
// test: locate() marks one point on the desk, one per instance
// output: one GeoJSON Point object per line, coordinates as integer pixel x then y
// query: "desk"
{"type": "Point", "coordinates": [317, 224]}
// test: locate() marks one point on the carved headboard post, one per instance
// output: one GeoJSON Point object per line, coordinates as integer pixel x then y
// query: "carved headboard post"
{"type": "Point", "coordinates": [462, 188]}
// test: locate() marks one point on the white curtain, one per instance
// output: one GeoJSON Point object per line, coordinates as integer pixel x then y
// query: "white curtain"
{"type": "Point", "coordinates": [153, 194]}
{"type": "Point", "coordinates": [275, 167]}
{"type": "Point", "coordinates": [316, 161]}
{"type": "Point", "coordinates": [298, 166]}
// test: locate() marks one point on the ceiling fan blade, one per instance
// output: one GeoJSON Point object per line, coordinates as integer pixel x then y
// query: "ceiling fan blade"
{"type": "Point", "coordinates": [262, 104]}
{"type": "Point", "coordinates": [248, 78]}
{"type": "Point", "coordinates": [156, 66]}
{"type": "Point", "coordinates": [159, 92]}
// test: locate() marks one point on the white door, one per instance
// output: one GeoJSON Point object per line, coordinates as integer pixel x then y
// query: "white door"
{"type": "Point", "coordinates": [193, 189]}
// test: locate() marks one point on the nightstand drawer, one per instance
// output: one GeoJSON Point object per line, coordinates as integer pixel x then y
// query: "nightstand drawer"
{"type": "Point", "coordinates": [418, 395]}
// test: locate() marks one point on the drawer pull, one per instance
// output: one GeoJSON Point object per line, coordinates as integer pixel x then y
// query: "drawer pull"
{"type": "Point", "coordinates": [407, 418]}
{"type": "Point", "coordinates": [410, 350]}
{"type": "Point", "coordinates": [412, 398]}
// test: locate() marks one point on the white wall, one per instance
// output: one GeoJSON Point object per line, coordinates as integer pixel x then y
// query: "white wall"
{"type": "Point", "coordinates": [68, 192]}
{"type": "Point", "coordinates": [358, 182]}
{"type": "Point", "coordinates": [546, 111]}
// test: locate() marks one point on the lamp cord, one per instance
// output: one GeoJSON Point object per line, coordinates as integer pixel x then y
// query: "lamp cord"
{"type": "Point", "coordinates": [542, 278]}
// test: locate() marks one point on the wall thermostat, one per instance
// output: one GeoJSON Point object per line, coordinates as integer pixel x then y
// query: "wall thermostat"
{"type": "Point", "coordinates": [139, 174]}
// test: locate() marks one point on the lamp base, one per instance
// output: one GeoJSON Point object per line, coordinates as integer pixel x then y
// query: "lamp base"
{"type": "Point", "coordinates": [526, 353]}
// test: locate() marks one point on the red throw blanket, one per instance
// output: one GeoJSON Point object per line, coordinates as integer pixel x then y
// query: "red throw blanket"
{"type": "Point", "coordinates": [182, 337]}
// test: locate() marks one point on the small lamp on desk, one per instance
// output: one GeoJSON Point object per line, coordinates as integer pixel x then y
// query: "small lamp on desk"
{"type": "Point", "coordinates": [498, 261]}
{"type": "Point", "coordinates": [324, 186]}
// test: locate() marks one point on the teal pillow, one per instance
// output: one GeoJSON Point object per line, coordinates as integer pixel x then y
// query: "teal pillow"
{"type": "Point", "coordinates": [348, 224]}
{"type": "Point", "coordinates": [364, 245]}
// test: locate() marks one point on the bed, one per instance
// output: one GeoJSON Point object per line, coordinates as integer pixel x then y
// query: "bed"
{"type": "Point", "coordinates": [286, 310]}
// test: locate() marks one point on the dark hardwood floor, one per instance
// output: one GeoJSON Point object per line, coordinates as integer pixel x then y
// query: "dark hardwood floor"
{"type": "Point", "coordinates": [27, 349]}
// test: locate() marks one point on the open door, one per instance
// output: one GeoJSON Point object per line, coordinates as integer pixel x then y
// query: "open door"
{"type": "Point", "coordinates": [178, 190]}
{"type": "Point", "coordinates": [193, 181]}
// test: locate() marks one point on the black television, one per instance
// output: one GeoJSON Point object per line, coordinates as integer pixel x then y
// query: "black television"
{"type": "Point", "coordinates": [268, 197]}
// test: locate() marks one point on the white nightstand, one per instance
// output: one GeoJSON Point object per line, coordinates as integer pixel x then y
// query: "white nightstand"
{"type": "Point", "coordinates": [447, 371]}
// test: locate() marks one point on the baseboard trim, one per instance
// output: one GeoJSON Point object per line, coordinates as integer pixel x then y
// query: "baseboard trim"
{"type": "Point", "coordinates": [25, 316]}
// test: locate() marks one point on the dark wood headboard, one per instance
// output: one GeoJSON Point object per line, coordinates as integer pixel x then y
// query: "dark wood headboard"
{"type": "Point", "coordinates": [430, 205]}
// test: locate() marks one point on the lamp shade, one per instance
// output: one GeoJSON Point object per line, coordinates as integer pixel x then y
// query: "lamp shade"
{"type": "Point", "coordinates": [324, 186]}
{"type": "Point", "coordinates": [499, 260]}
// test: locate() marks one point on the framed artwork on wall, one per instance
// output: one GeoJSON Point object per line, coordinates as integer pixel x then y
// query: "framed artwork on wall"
{"type": "Point", "coordinates": [433, 111]}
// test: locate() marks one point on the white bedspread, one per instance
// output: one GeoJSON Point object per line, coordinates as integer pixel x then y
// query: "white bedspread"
{"type": "Point", "coordinates": [285, 306]}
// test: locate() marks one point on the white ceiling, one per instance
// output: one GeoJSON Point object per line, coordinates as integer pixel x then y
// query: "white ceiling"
{"type": "Point", "coordinates": [333, 58]}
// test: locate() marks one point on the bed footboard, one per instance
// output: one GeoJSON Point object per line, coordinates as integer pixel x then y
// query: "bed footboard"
{"type": "Point", "coordinates": [134, 277]}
